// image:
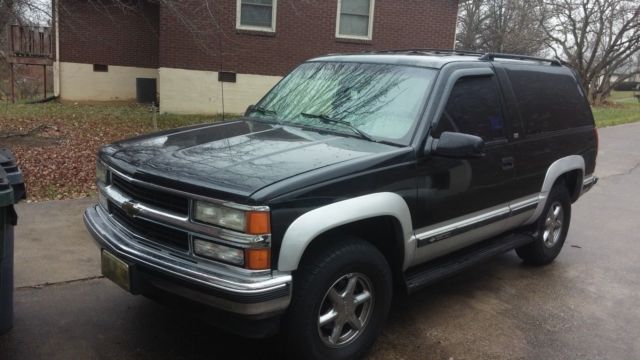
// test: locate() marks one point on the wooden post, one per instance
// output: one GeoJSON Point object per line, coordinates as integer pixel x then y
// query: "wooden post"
{"type": "Point", "coordinates": [44, 67]}
{"type": "Point", "coordinates": [11, 51]}
{"type": "Point", "coordinates": [11, 40]}
{"type": "Point", "coordinates": [12, 80]}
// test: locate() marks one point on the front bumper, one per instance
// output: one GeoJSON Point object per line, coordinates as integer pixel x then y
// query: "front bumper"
{"type": "Point", "coordinates": [250, 296]}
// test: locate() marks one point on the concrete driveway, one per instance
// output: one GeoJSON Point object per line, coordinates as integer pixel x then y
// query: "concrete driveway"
{"type": "Point", "coordinates": [584, 306]}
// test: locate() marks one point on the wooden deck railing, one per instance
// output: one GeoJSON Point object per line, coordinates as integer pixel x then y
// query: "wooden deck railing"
{"type": "Point", "coordinates": [31, 41]}
{"type": "Point", "coordinates": [29, 45]}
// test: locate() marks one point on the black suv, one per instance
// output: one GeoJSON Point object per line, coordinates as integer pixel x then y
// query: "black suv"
{"type": "Point", "coordinates": [356, 173]}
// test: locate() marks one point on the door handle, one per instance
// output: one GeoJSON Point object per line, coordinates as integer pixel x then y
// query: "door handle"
{"type": "Point", "coordinates": [507, 163]}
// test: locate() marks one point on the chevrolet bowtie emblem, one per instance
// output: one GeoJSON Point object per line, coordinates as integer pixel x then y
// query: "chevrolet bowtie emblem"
{"type": "Point", "coordinates": [129, 207]}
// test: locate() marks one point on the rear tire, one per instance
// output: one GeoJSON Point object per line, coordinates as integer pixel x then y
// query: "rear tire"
{"type": "Point", "coordinates": [550, 231]}
{"type": "Point", "coordinates": [341, 299]}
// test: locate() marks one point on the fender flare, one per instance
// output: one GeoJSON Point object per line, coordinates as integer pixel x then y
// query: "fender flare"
{"type": "Point", "coordinates": [557, 169]}
{"type": "Point", "coordinates": [310, 225]}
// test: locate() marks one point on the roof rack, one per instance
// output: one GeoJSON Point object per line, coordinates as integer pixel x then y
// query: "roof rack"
{"type": "Point", "coordinates": [493, 56]}
{"type": "Point", "coordinates": [427, 50]}
{"type": "Point", "coordinates": [481, 55]}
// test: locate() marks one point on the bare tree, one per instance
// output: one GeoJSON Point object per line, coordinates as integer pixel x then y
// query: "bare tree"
{"type": "Point", "coordinates": [511, 26]}
{"type": "Point", "coordinates": [471, 23]}
{"type": "Point", "coordinates": [599, 38]}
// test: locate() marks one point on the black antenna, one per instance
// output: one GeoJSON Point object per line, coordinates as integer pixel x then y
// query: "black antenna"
{"type": "Point", "coordinates": [220, 54]}
{"type": "Point", "coordinates": [220, 70]}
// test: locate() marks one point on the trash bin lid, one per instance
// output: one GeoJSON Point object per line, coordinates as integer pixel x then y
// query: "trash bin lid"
{"type": "Point", "coordinates": [6, 156]}
{"type": "Point", "coordinates": [9, 163]}
{"type": "Point", "coordinates": [6, 191]}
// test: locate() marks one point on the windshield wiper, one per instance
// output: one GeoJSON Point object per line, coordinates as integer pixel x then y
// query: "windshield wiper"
{"type": "Point", "coordinates": [327, 119]}
{"type": "Point", "coordinates": [264, 111]}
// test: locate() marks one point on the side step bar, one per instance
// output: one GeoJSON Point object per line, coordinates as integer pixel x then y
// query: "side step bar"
{"type": "Point", "coordinates": [429, 273]}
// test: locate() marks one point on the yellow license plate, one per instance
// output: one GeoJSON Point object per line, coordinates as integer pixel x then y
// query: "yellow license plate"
{"type": "Point", "coordinates": [116, 270]}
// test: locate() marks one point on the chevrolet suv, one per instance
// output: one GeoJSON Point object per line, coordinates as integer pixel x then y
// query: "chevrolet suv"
{"type": "Point", "coordinates": [356, 176]}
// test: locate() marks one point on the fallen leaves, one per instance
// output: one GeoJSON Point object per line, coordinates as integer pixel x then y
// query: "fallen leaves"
{"type": "Point", "coordinates": [56, 144]}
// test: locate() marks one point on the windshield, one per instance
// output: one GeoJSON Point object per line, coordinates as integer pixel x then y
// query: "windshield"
{"type": "Point", "coordinates": [380, 100]}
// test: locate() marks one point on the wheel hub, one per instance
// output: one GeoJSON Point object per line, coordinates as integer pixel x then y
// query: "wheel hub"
{"type": "Point", "coordinates": [553, 225]}
{"type": "Point", "coordinates": [345, 310]}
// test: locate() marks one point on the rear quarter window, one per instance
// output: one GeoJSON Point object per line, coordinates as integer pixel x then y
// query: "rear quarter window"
{"type": "Point", "coordinates": [549, 100]}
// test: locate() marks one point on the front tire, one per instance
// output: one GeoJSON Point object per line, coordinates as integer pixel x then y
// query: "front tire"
{"type": "Point", "coordinates": [341, 299]}
{"type": "Point", "coordinates": [550, 231]}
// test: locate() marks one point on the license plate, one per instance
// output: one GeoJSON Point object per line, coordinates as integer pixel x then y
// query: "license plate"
{"type": "Point", "coordinates": [116, 270]}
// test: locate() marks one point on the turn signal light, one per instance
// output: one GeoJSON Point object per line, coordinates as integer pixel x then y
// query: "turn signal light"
{"type": "Point", "coordinates": [257, 259]}
{"type": "Point", "coordinates": [258, 223]}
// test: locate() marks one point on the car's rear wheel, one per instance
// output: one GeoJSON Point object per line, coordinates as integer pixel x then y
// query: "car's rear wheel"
{"type": "Point", "coordinates": [341, 298]}
{"type": "Point", "coordinates": [550, 231]}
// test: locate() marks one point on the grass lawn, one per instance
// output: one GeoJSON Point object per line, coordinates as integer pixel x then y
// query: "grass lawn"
{"type": "Point", "coordinates": [624, 108]}
{"type": "Point", "coordinates": [56, 143]}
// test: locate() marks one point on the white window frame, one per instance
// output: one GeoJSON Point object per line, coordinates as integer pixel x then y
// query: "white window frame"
{"type": "Point", "coordinates": [239, 25]}
{"type": "Point", "coordinates": [372, 6]}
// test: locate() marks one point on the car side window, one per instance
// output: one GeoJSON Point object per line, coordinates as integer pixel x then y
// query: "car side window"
{"type": "Point", "coordinates": [473, 108]}
{"type": "Point", "coordinates": [546, 108]}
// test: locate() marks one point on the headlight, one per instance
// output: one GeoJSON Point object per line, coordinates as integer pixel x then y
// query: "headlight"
{"type": "Point", "coordinates": [219, 252]}
{"type": "Point", "coordinates": [220, 215]}
{"type": "Point", "coordinates": [250, 222]}
{"type": "Point", "coordinates": [101, 172]}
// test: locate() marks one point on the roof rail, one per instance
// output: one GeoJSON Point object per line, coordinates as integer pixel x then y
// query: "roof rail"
{"type": "Point", "coordinates": [428, 50]}
{"type": "Point", "coordinates": [493, 56]}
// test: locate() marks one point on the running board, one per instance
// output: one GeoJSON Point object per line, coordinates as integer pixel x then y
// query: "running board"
{"type": "Point", "coordinates": [424, 275]}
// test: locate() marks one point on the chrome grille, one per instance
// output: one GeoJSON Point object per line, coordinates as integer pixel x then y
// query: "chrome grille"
{"type": "Point", "coordinates": [151, 231]}
{"type": "Point", "coordinates": [150, 196]}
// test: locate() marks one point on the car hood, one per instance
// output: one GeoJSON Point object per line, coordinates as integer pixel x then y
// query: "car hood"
{"type": "Point", "coordinates": [238, 157]}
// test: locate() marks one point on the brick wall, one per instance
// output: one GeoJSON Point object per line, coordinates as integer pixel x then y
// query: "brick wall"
{"type": "Point", "coordinates": [304, 29]}
{"type": "Point", "coordinates": [184, 35]}
{"type": "Point", "coordinates": [98, 32]}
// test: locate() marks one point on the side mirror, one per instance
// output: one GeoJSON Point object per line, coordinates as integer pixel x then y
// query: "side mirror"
{"type": "Point", "coordinates": [456, 145]}
{"type": "Point", "coordinates": [250, 109]}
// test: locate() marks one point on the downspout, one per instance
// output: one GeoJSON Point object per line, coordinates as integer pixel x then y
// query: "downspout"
{"type": "Point", "coordinates": [56, 63]}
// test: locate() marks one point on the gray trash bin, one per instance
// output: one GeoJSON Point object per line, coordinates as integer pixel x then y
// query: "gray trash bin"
{"type": "Point", "coordinates": [9, 163]}
{"type": "Point", "coordinates": [8, 220]}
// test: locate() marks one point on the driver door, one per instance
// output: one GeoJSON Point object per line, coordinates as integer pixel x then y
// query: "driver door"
{"type": "Point", "coordinates": [466, 200]}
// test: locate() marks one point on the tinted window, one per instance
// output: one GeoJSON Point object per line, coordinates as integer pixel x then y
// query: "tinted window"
{"type": "Point", "coordinates": [473, 108]}
{"type": "Point", "coordinates": [549, 101]}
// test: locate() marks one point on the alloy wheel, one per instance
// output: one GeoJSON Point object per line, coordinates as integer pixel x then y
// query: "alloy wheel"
{"type": "Point", "coordinates": [345, 310]}
{"type": "Point", "coordinates": [553, 225]}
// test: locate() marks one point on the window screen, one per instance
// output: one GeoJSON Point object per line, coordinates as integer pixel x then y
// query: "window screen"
{"type": "Point", "coordinates": [548, 101]}
{"type": "Point", "coordinates": [256, 13]}
{"type": "Point", "coordinates": [354, 18]}
{"type": "Point", "coordinates": [473, 108]}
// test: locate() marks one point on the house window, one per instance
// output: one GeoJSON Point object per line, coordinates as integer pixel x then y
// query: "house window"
{"type": "Point", "coordinates": [257, 15]}
{"type": "Point", "coordinates": [355, 19]}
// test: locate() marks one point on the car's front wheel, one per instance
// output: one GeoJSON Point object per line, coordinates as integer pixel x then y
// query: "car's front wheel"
{"type": "Point", "coordinates": [341, 298]}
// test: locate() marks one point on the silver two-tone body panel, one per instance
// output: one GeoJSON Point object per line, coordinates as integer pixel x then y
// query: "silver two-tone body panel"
{"type": "Point", "coordinates": [433, 241]}
{"type": "Point", "coordinates": [445, 237]}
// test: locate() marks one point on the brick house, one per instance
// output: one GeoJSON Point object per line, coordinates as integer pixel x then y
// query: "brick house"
{"type": "Point", "coordinates": [203, 51]}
